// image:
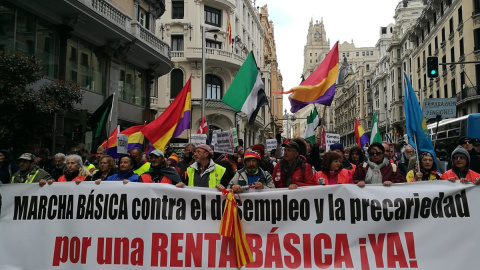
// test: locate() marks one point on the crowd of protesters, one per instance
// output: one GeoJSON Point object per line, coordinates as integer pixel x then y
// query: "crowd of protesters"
{"type": "Point", "coordinates": [295, 163]}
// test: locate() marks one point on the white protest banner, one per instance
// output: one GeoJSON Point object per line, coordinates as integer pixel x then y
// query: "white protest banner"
{"type": "Point", "coordinates": [197, 139]}
{"type": "Point", "coordinates": [234, 137]}
{"type": "Point", "coordinates": [424, 225]}
{"type": "Point", "coordinates": [224, 142]}
{"type": "Point", "coordinates": [331, 138]}
{"type": "Point", "coordinates": [271, 144]}
{"type": "Point", "coordinates": [214, 136]}
{"type": "Point", "coordinates": [122, 143]}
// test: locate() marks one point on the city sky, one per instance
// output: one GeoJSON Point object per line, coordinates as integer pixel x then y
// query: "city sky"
{"type": "Point", "coordinates": [344, 20]}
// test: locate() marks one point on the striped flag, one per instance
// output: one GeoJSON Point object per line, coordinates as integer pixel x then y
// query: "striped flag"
{"type": "Point", "coordinates": [375, 134]}
{"type": "Point", "coordinates": [172, 122]}
{"type": "Point", "coordinates": [360, 136]}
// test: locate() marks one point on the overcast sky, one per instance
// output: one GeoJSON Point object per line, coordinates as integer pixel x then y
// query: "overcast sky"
{"type": "Point", "coordinates": [344, 20]}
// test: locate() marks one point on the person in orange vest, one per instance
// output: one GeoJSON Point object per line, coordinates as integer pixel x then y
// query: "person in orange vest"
{"type": "Point", "coordinates": [75, 171]}
{"type": "Point", "coordinates": [460, 168]}
{"type": "Point", "coordinates": [159, 171]}
{"type": "Point", "coordinates": [331, 172]}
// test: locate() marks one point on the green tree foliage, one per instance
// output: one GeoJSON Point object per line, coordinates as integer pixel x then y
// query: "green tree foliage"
{"type": "Point", "coordinates": [26, 115]}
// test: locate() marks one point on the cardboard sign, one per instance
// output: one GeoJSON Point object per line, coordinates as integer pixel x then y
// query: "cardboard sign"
{"type": "Point", "coordinates": [122, 143]}
{"type": "Point", "coordinates": [331, 138]}
{"type": "Point", "coordinates": [197, 139]}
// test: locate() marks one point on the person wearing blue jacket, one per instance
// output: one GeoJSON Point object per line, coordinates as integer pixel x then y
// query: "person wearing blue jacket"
{"type": "Point", "coordinates": [126, 163]}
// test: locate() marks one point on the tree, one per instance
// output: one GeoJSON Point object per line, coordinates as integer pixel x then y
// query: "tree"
{"type": "Point", "coordinates": [26, 115]}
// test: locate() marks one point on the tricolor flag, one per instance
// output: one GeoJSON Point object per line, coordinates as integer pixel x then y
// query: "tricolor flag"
{"type": "Point", "coordinates": [98, 122]}
{"type": "Point", "coordinates": [319, 87]}
{"type": "Point", "coordinates": [375, 134]}
{"type": "Point", "coordinates": [135, 140]}
{"type": "Point", "coordinates": [312, 123]}
{"type": "Point", "coordinates": [417, 131]}
{"type": "Point", "coordinates": [172, 122]}
{"type": "Point", "coordinates": [229, 30]}
{"type": "Point", "coordinates": [247, 91]}
{"type": "Point", "coordinates": [203, 128]}
{"type": "Point", "coordinates": [360, 136]}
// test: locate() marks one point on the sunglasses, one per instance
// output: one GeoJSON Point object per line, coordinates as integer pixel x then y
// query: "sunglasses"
{"type": "Point", "coordinates": [375, 153]}
{"type": "Point", "coordinates": [467, 142]}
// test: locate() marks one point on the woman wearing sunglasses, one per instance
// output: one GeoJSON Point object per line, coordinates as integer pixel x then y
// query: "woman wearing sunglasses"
{"type": "Point", "coordinates": [377, 169]}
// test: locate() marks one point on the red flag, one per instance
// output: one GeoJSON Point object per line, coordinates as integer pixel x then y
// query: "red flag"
{"type": "Point", "coordinates": [229, 30]}
{"type": "Point", "coordinates": [203, 128]}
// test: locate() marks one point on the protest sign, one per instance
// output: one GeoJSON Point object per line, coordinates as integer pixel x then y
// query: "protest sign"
{"type": "Point", "coordinates": [224, 142]}
{"type": "Point", "coordinates": [330, 139]}
{"type": "Point", "coordinates": [197, 139]}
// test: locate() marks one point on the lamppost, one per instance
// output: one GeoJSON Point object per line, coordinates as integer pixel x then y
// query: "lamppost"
{"type": "Point", "coordinates": [275, 116]}
{"type": "Point", "coordinates": [203, 65]}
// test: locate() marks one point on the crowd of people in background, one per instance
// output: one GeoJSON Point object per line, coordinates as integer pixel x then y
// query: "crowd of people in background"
{"type": "Point", "coordinates": [294, 163]}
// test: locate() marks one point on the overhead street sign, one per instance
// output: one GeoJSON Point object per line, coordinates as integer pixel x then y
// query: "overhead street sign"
{"type": "Point", "coordinates": [445, 107]}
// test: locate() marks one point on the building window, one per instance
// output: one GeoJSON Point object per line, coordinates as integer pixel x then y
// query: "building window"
{"type": "Point", "coordinates": [212, 16]}
{"type": "Point", "coordinates": [453, 86]}
{"type": "Point", "coordinates": [476, 4]}
{"type": "Point", "coordinates": [85, 65]}
{"type": "Point", "coordinates": [451, 26]}
{"type": "Point", "coordinates": [445, 91]}
{"type": "Point", "coordinates": [176, 82]}
{"type": "Point", "coordinates": [460, 16]}
{"type": "Point", "coordinates": [476, 39]}
{"type": "Point", "coordinates": [213, 87]}
{"type": "Point", "coordinates": [357, 54]}
{"type": "Point", "coordinates": [177, 9]}
{"type": "Point", "coordinates": [143, 18]}
{"type": "Point", "coordinates": [213, 44]}
{"type": "Point", "coordinates": [368, 67]}
{"type": "Point", "coordinates": [462, 49]}
{"type": "Point", "coordinates": [177, 42]}
{"type": "Point", "coordinates": [23, 32]}
{"type": "Point", "coordinates": [131, 87]}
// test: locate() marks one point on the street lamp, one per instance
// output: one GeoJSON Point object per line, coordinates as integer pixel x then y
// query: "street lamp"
{"type": "Point", "coordinates": [203, 64]}
{"type": "Point", "coordinates": [275, 116]}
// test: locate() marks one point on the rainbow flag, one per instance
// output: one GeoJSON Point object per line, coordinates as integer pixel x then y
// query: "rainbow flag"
{"type": "Point", "coordinates": [319, 87]}
{"type": "Point", "coordinates": [172, 122]}
{"type": "Point", "coordinates": [360, 135]}
{"type": "Point", "coordinates": [135, 140]}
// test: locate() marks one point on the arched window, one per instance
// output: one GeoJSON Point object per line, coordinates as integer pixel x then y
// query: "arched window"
{"type": "Point", "coordinates": [176, 82]}
{"type": "Point", "coordinates": [213, 86]}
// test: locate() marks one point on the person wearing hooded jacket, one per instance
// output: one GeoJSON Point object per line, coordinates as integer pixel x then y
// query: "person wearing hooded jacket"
{"type": "Point", "coordinates": [159, 171]}
{"type": "Point", "coordinates": [293, 170]}
{"type": "Point", "coordinates": [461, 168]}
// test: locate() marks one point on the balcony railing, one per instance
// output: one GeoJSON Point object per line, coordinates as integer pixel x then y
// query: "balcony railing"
{"type": "Point", "coordinates": [110, 12]}
{"type": "Point", "coordinates": [191, 51]}
{"type": "Point", "coordinates": [149, 38]}
{"type": "Point", "coordinates": [468, 93]}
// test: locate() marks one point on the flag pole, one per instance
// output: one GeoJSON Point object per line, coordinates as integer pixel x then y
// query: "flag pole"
{"type": "Point", "coordinates": [416, 150]}
{"type": "Point", "coordinates": [109, 121]}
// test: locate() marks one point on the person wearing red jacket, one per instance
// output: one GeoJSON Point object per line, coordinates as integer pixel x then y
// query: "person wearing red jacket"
{"type": "Point", "coordinates": [331, 172]}
{"type": "Point", "coordinates": [377, 169]}
{"type": "Point", "coordinates": [461, 168]}
{"type": "Point", "coordinates": [293, 170]}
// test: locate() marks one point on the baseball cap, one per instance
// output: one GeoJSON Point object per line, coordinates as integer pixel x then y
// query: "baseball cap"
{"type": "Point", "coordinates": [27, 156]}
{"type": "Point", "coordinates": [476, 141]}
{"type": "Point", "coordinates": [292, 144]}
{"type": "Point", "coordinates": [157, 153]}
{"type": "Point", "coordinates": [464, 139]}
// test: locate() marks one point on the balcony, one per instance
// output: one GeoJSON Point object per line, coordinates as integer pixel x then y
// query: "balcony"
{"type": "Point", "coordinates": [467, 94]}
{"type": "Point", "coordinates": [221, 56]}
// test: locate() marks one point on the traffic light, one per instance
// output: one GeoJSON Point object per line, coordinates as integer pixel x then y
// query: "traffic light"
{"type": "Point", "coordinates": [432, 67]}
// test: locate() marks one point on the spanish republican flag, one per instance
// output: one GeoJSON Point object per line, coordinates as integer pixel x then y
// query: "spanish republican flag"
{"type": "Point", "coordinates": [360, 136]}
{"type": "Point", "coordinates": [229, 30]}
{"type": "Point", "coordinates": [172, 122]}
{"type": "Point", "coordinates": [319, 87]}
{"type": "Point", "coordinates": [135, 140]}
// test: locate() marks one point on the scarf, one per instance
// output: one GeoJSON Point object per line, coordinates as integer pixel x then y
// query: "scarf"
{"type": "Point", "coordinates": [70, 176]}
{"type": "Point", "coordinates": [426, 174]}
{"type": "Point", "coordinates": [289, 169]}
{"type": "Point", "coordinates": [159, 172]}
{"type": "Point", "coordinates": [374, 175]}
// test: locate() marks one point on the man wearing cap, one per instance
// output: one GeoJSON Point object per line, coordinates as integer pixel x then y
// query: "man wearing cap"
{"type": "Point", "coordinates": [204, 172]}
{"type": "Point", "coordinates": [338, 148]}
{"type": "Point", "coordinates": [476, 145]}
{"type": "Point", "coordinates": [293, 170]}
{"type": "Point", "coordinates": [142, 165]}
{"type": "Point", "coordinates": [461, 162]}
{"type": "Point", "coordinates": [159, 171]}
{"type": "Point", "coordinates": [29, 173]}
{"type": "Point", "coordinates": [251, 176]}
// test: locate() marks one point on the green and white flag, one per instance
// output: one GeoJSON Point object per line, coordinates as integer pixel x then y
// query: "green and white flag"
{"type": "Point", "coordinates": [247, 91]}
{"type": "Point", "coordinates": [312, 124]}
{"type": "Point", "coordinates": [375, 134]}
